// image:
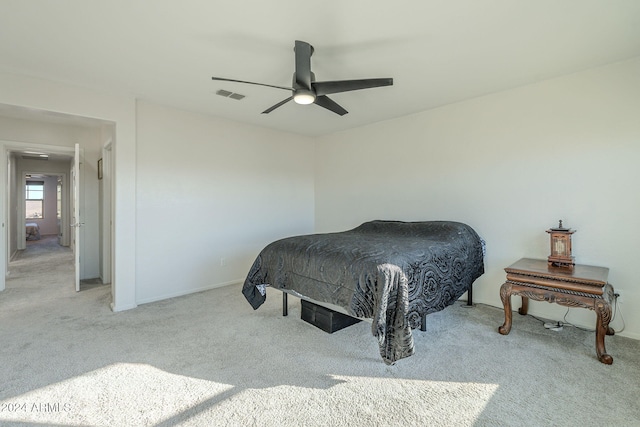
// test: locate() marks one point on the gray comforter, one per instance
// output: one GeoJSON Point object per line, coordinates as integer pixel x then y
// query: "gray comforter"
{"type": "Point", "coordinates": [389, 271]}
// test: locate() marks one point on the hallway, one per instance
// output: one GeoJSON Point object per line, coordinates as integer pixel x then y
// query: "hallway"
{"type": "Point", "coordinates": [44, 270]}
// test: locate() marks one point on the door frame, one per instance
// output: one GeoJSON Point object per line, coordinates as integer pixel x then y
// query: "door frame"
{"type": "Point", "coordinates": [76, 227]}
{"type": "Point", "coordinates": [106, 211]}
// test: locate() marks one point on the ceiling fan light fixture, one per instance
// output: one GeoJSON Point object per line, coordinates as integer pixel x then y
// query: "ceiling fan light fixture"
{"type": "Point", "coordinates": [306, 90]}
{"type": "Point", "coordinates": [304, 97]}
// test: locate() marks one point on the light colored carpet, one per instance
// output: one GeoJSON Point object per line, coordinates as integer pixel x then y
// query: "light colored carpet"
{"type": "Point", "coordinates": [208, 359]}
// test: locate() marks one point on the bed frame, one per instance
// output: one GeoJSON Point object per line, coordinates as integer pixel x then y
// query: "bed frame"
{"type": "Point", "coordinates": [423, 324]}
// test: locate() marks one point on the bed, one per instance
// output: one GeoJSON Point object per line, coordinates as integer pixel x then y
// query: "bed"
{"type": "Point", "coordinates": [392, 272]}
{"type": "Point", "coordinates": [32, 230]}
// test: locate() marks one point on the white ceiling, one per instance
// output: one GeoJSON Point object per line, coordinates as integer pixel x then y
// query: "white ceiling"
{"type": "Point", "coordinates": [437, 52]}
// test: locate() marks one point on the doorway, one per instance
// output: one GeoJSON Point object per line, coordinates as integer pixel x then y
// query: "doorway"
{"type": "Point", "coordinates": [55, 132]}
{"type": "Point", "coordinates": [38, 200]}
{"type": "Point", "coordinates": [58, 172]}
{"type": "Point", "coordinates": [46, 210]}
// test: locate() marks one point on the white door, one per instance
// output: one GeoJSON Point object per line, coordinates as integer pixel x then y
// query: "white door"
{"type": "Point", "coordinates": [76, 222]}
{"type": "Point", "coordinates": [4, 183]}
{"type": "Point", "coordinates": [106, 217]}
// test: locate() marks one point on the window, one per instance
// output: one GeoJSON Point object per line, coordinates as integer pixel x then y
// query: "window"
{"type": "Point", "coordinates": [34, 207]}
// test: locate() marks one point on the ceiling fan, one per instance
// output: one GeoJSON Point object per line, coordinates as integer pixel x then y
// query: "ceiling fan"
{"type": "Point", "coordinates": [306, 90]}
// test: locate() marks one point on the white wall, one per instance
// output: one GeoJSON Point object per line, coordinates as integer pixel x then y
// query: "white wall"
{"type": "Point", "coordinates": [510, 164]}
{"type": "Point", "coordinates": [208, 189]}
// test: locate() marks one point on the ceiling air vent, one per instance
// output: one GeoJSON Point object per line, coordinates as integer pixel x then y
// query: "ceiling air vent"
{"type": "Point", "coordinates": [228, 94]}
{"type": "Point", "coordinates": [42, 157]}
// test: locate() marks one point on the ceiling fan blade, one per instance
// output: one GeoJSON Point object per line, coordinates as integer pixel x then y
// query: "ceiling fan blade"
{"type": "Point", "coordinates": [250, 83]}
{"type": "Point", "coordinates": [279, 104]}
{"type": "Point", "coordinates": [329, 104]}
{"type": "Point", "coordinates": [303, 51]}
{"type": "Point", "coordinates": [326, 88]}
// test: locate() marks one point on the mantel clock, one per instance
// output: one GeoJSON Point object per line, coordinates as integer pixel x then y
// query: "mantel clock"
{"type": "Point", "coordinates": [561, 247]}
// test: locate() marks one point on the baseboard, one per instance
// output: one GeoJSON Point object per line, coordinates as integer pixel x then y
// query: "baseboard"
{"type": "Point", "coordinates": [188, 292]}
{"type": "Point", "coordinates": [545, 315]}
{"type": "Point", "coordinates": [629, 335]}
{"type": "Point", "coordinates": [121, 308]}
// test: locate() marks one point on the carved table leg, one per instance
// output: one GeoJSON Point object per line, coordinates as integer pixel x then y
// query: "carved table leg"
{"type": "Point", "coordinates": [525, 306]}
{"type": "Point", "coordinates": [603, 313]}
{"type": "Point", "coordinates": [608, 297]}
{"type": "Point", "coordinates": [505, 296]}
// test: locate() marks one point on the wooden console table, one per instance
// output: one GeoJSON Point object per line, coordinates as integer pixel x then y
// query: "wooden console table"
{"type": "Point", "coordinates": [583, 286]}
